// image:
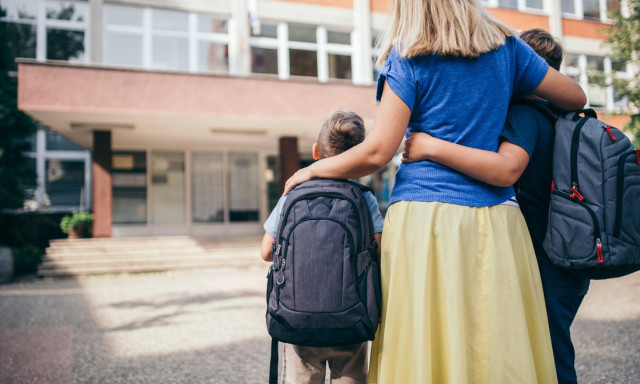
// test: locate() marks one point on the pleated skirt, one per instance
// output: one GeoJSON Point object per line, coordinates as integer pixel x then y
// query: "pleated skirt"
{"type": "Point", "coordinates": [462, 299]}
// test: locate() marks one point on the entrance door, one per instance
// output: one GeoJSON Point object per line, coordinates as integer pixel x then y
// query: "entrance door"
{"type": "Point", "coordinates": [167, 188]}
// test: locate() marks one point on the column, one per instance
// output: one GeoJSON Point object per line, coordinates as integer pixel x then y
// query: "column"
{"type": "Point", "coordinates": [102, 184]}
{"type": "Point", "coordinates": [362, 66]}
{"type": "Point", "coordinates": [289, 159]}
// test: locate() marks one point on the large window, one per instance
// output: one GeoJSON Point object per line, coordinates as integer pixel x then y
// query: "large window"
{"type": "Point", "coordinates": [47, 29]}
{"type": "Point", "coordinates": [589, 9]}
{"type": "Point", "coordinates": [523, 5]}
{"type": "Point", "coordinates": [129, 187]}
{"type": "Point", "coordinates": [63, 173]}
{"type": "Point", "coordinates": [207, 187]}
{"type": "Point", "coordinates": [243, 187]}
{"type": "Point", "coordinates": [289, 49]}
{"type": "Point", "coordinates": [167, 187]}
{"type": "Point", "coordinates": [589, 71]}
{"type": "Point", "coordinates": [166, 39]}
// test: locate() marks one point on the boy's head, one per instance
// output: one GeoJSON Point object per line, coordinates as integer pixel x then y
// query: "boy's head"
{"type": "Point", "coordinates": [342, 130]}
{"type": "Point", "coordinates": [545, 45]}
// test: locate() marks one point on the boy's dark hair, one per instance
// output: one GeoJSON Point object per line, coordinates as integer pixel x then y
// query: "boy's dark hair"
{"type": "Point", "coordinates": [342, 130]}
{"type": "Point", "coordinates": [545, 45]}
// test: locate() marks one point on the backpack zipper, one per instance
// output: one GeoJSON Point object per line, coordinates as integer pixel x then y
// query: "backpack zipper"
{"type": "Point", "coordinates": [351, 243]}
{"type": "Point", "coordinates": [619, 189]}
{"type": "Point", "coordinates": [596, 224]}
{"type": "Point", "coordinates": [314, 195]}
{"type": "Point", "coordinates": [575, 144]}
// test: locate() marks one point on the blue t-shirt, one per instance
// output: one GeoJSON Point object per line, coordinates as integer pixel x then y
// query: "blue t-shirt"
{"type": "Point", "coordinates": [529, 129]}
{"type": "Point", "coordinates": [271, 225]}
{"type": "Point", "coordinates": [463, 101]}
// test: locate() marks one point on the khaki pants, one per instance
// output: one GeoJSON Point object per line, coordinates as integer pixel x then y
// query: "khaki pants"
{"type": "Point", "coordinates": [307, 365]}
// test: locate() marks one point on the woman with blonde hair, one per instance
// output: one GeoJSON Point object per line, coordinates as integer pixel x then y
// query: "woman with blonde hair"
{"type": "Point", "coordinates": [462, 299]}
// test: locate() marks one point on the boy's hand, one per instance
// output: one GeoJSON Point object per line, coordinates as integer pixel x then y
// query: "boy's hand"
{"type": "Point", "coordinates": [419, 146]}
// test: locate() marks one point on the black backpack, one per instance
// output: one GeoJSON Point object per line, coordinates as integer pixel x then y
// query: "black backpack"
{"type": "Point", "coordinates": [323, 287]}
{"type": "Point", "coordinates": [594, 212]}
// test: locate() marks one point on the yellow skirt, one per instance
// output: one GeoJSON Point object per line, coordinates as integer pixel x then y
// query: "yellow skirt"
{"type": "Point", "coordinates": [461, 299]}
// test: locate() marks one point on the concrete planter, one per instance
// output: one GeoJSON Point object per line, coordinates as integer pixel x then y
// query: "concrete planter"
{"type": "Point", "coordinates": [6, 264]}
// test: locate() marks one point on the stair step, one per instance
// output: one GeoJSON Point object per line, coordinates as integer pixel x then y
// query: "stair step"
{"type": "Point", "coordinates": [76, 257]}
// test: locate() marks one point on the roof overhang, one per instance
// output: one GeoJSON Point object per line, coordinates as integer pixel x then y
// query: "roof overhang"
{"type": "Point", "coordinates": [147, 109]}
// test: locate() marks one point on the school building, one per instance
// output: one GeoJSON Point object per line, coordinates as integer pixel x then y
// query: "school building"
{"type": "Point", "coordinates": [169, 117]}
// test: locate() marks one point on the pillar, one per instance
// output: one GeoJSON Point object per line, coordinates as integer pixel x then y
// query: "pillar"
{"type": "Point", "coordinates": [102, 188]}
{"type": "Point", "coordinates": [289, 159]}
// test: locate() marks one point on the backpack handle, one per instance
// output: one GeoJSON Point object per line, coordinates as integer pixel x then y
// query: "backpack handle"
{"type": "Point", "coordinates": [588, 112]}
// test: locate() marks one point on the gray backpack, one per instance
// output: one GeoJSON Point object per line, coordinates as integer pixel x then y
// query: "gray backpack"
{"type": "Point", "coordinates": [323, 287]}
{"type": "Point", "coordinates": [594, 214]}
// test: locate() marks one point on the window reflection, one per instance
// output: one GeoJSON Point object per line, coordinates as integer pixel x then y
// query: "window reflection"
{"type": "Point", "coordinates": [591, 9]}
{"type": "Point", "coordinates": [213, 57]}
{"type": "Point", "coordinates": [264, 60]}
{"type": "Point", "coordinates": [166, 20]}
{"type": "Point", "coordinates": [170, 53]}
{"type": "Point", "coordinates": [65, 182]}
{"type": "Point", "coordinates": [63, 44]}
{"type": "Point", "coordinates": [303, 63]}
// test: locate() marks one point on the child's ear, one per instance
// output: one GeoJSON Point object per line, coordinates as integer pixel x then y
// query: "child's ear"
{"type": "Point", "coordinates": [315, 152]}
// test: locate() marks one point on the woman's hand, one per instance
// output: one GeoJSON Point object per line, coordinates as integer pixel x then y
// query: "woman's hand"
{"type": "Point", "coordinates": [419, 146]}
{"type": "Point", "coordinates": [301, 175]}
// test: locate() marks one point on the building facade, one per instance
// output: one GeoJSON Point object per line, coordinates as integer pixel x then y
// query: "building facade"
{"type": "Point", "coordinates": [184, 117]}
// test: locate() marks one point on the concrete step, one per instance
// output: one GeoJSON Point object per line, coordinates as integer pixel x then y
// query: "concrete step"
{"type": "Point", "coordinates": [76, 271]}
{"type": "Point", "coordinates": [149, 251]}
{"type": "Point", "coordinates": [77, 257]}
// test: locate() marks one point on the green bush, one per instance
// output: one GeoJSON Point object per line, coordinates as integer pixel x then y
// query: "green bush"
{"type": "Point", "coordinates": [80, 222]}
{"type": "Point", "coordinates": [26, 259]}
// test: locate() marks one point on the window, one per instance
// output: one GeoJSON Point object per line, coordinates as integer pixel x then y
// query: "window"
{"type": "Point", "coordinates": [207, 187]}
{"type": "Point", "coordinates": [243, 187]}
{"type": "Point", "coordinates": [508, 4]}
{"type": "Point", "coordinates": [301, 50]}
{"type": "Point", "coordinates": [65, 182]}
{"type": "Point", "coordinates": [167, 187]}
{"type": "Point", "coordinates": [589, 9]}
{"type": "Point", "coordinates": [129, 187]}
{"type": "Point", "coordinates": [57, 32]}
{"type": "Point", "coordinates": [55, 142]}
{"type": "Point", "coordinates": [166, 39]}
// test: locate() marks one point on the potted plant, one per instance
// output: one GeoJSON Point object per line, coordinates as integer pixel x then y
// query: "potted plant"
{"type": "Point", "coordinates": [77, 224]}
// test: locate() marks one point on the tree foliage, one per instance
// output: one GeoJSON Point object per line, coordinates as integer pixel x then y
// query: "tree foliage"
{"type": "Point", "coordinates": [623, 38]}
{"type": "Point", "coordinates": [15, 127]}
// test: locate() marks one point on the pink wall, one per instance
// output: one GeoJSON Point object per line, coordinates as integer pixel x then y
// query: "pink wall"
{"type": "Point", "coordinates": [68, 88]}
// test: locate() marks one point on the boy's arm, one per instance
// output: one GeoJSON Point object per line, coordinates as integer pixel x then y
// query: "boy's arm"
{"type": "Point", "coordinates": [502, 168]}
{"type": "Point", "coordinates": [266, 250]}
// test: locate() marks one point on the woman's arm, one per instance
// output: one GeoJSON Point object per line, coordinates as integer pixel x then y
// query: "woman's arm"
{"type": "Point", "coordinates": [372, 154]}
{"type": "Point", "coordinates": [561, 90]}
{"type": "Point", "coordinates": [500, 169]}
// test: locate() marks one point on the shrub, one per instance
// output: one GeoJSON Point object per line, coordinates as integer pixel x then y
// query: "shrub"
{"type": "Point", "coordinates": [26, 259]}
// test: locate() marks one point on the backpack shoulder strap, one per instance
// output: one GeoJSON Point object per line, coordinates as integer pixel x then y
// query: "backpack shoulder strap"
{"type": "Point", "coordinates": [273, 363]}
{"type": "Point", "coordinates": [363, 188]}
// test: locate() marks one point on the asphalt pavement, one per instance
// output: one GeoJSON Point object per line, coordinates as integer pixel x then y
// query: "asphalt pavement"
{"type": "Point", "coordinates": [207, 326]}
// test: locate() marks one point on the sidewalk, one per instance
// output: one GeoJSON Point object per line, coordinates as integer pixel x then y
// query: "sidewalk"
{"type": "Point", "coordinates": [208, 326]}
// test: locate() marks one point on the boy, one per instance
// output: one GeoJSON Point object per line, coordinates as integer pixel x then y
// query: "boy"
{"type": "Point", "coordinates": [341, 131]}
{"type": "Point", "coordinates": [524, 156]}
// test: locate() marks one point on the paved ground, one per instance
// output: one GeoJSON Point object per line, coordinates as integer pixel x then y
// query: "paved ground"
{"type": "Point", "coordinates": [208, 327]}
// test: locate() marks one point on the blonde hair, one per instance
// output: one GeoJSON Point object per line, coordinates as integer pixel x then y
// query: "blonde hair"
{"type": "Point", "coordinates": [446, 27]}
{"type": "Point", "coordinates": [340, 131]}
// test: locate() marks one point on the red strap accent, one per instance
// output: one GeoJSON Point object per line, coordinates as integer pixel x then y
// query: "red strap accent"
{"type": "Point", "coordinates": [553, 186]}
{"type": "Point", "coordinates": [576, 194]}
{"type": "Point", "coordinates": [599, 250]}
{"type": "Point", "coordinates": [608, 128]}
{"type": "Point", "coordinates": [638, 155]}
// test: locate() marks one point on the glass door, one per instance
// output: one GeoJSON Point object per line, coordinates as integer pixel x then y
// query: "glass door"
{"type": "Point", "coordinates": [167, 187]}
